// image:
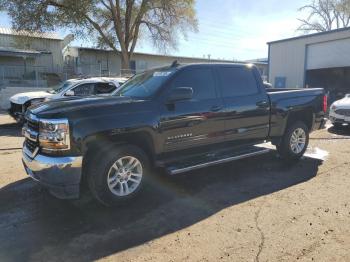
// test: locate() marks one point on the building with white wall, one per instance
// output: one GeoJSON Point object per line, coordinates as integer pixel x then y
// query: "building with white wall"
{"type": "Point", "coordinates": [94, 62]}
{"type": "Point", "coordinates": [28, 55]}
{"type": "Point", "coordinates": [315, 60]}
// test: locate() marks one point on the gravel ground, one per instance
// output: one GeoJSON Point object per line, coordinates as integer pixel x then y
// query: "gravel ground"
{"type": "Point", "coordinates": [257, 209]}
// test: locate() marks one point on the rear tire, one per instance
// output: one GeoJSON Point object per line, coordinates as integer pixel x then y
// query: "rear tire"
{"type": "Point", "coordinates": [294, 142]}
{"type": "Point", "coordinates": [118, 175]}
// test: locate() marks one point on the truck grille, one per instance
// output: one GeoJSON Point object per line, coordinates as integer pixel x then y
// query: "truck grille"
{"type": "Point", "coordinates": [343, 112]}
{"type": "Point", "coordinates": [33, 125]}
{"type": "Point", "coordinates": [31, 145]}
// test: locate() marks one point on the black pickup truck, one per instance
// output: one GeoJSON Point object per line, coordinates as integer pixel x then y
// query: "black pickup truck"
{"type": "Point", "coordinates": [179, 118]}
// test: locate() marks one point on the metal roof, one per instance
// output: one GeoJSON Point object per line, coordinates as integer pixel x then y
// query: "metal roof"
{"type": "Point", "coordinates": [310, 35]}
{"type": "Point", "coordinates": [18, 52]}
{"type": "Point", "coordinates": [44, 35]}
{"type": "Point", "coordinates": [160, 55]}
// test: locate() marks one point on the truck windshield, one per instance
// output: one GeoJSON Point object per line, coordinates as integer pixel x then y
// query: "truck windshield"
{"type": "Point", "coordinates": [144, 85]}
{"type": "Point", "coordinates": [59, 88]}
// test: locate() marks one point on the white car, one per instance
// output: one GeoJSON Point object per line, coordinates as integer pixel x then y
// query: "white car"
{"type": "Point", "coordinates": [73, 87]}
{"type": "Point", "coordinates": [340, 111]}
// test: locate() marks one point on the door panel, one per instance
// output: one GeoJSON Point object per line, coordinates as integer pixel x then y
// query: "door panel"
{"type": "Point", "coordinates": [247, 108]}
{"type": "Point", "coordinates": [195, 122]}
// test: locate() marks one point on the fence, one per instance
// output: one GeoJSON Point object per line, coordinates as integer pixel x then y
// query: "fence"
{"type": "Point", "coordinates": [99, 70]}
{"type": "Point", "coordinates": [31, 76]}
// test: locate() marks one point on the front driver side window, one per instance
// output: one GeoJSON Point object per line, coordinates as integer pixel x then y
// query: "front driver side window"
{"type": "Point", "coordinates": [84, 89]}
{"type": "Point", "coordinates": [201, 80]}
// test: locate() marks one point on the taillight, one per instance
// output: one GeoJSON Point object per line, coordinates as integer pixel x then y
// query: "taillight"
{"type": "Point", "coordinates": [325, 104]}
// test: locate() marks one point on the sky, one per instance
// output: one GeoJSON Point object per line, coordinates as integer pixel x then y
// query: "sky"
{"type": "Point", "coordinates": [228, 29]}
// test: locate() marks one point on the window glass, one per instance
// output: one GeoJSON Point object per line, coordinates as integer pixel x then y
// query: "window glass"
{"type": "Point", "coordinates": [200, 79]}
{"type": "Point", "coordinates": [146, 84]}
{"type": "Point", "coordinates": [237, 81]}
{"type": "Point", "coordinates": [84, 90]}
{"type": "Point", "coordinates": [59, 88]}
{"type": "Point", "coordinates": [104, 88]}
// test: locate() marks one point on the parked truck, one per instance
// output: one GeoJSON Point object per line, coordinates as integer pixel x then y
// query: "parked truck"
{"type": "Point", "coordinates": [180, 118]}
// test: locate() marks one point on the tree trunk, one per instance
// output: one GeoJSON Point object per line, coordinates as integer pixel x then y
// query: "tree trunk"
{"type": "Point", "coordinates": [125, 64]}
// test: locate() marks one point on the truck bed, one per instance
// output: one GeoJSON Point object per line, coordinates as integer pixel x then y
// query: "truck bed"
{"type": "Point", "coordinates": [300, 101]}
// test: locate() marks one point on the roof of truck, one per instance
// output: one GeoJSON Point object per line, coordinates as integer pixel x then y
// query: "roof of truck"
{"type": "Point", "coordinates": [180, 65]}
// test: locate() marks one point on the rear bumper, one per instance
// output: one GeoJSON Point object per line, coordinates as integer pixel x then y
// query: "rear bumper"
{"type": "Point", "coordinates": [61, 175]}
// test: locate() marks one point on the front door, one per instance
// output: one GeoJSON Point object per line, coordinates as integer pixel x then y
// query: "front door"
{"type": "Point", "coordinates": [195, 122]}
{"type": "Point", "coordinates": [247, 106]}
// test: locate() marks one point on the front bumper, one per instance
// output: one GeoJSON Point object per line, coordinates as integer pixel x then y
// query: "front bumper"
{"type": "Point", "coordinates": [341, 119]}
{"type": "Point", "coordinates": [61, 175]}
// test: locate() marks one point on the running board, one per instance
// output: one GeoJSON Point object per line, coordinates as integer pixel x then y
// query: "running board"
{"type": "Point", "coordinates": [210, 160]}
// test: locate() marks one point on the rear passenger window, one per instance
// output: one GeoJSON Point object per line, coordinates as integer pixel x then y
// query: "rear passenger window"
{"type": "Point", "coordinates": [104, 88]}
{"type": "Point", "coordinates": [84, 89]}
{"type": "Point", "coordinates": [237, 81]}
{"type": "Point", "coordinates": [200, 79]}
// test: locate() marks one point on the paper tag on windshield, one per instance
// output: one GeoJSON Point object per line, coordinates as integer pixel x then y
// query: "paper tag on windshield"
{"type": "Point", "coordinates": [164, 73]}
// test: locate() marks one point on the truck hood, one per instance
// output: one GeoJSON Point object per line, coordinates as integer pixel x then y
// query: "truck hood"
{"type": "Point", "coordinates": [343, 103]}
{"type": "Point", "coordinates": [80, 107]}
{"type": "Point", "coordinates": [22, 98]}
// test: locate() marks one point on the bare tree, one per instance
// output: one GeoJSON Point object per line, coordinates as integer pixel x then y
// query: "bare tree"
{"type": "Point", "coordinates": [325, 15]}
{"type": "Point", "coordinates": [117, 24]}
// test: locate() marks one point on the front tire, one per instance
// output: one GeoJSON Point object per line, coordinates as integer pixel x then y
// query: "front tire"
{"type": "Point", "coordinates": [294, 142]}
{"type": "Point", "coordinates": [118, 175]}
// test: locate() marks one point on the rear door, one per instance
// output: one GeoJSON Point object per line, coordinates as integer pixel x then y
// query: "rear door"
{"type": "Point", "coordinates": [195, 122]}
{"type": "Point", "coordinates": [247, 106]}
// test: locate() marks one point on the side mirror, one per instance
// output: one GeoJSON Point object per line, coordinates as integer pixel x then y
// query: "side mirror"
{"type": "Point", "coordinates": [180, 94]}
{"type": "Point", "coordinates": [69, 93]}
{"type": "Point", "coordinates": [267, 85]}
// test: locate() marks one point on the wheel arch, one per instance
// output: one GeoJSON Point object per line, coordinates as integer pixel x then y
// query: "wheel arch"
{"type": "Point", "coordinates": [306, 116]}
{"type": "Point", "coordinates": [104, 141]}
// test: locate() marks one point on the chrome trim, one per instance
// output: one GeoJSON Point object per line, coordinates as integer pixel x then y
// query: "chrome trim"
{"type": "Point", "coordinates": [29, 153]}
{"type": "Point", "coordinates": [32, 117]}
{"type": "Point", "coordinates": [30, 134]}
{"type": "Point", "coordinates": [54, 121]}
{"type": "Point", "coordinates": [221, 161]}
{"type": "Point", "coordinates": [43, 166]}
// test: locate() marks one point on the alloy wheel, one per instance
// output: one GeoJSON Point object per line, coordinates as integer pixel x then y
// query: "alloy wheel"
{"type": "Point", "coordinates": [125, 176]}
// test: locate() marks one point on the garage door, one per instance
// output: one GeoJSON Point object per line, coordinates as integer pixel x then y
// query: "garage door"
{"type": "Point", "coordinates": [329, 54]}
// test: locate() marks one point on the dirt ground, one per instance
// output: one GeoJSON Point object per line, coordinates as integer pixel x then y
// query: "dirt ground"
{"type": "Point", "coordinates": [257, 209]}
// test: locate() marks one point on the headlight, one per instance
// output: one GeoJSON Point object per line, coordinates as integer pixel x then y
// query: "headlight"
{"type": "Point", "coordinates": [54, 134]}
{"type": "Point", "coordinates": [333, 107]}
